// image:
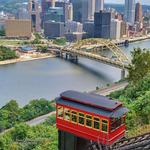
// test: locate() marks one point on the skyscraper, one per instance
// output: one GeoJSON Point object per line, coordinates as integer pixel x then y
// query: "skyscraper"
{"type": "Point", "coordinates": [130, 11]}
{"type": "Point", "coordinates": [77, 10]}
{"type": "Point", "coordinates": [102, 23]}
{"type": "Point", "coordinates": [99, 5]}
{"type": "Point", "coordinates": [52, 3]}
{"type": "Point", "coordinates": [34, 11]}
{"type": "Point", "coordinates": [53, 29]}
{"type": "Point", "coordinates": [115, 29]}
{"type": "Point", "coordinates": [44, 5]}
{"type": "Point", "coordinates": [88, 9]}
{"type": "Point", "coordinates": [70, 12]}
{"type": "Point", "coordinates": [67, 9]}
{"type": "Point", "coordinates": [83, 10]}
{"type": "Point", "coordinates": [91, 9]}
{"type": "Point", "coordinates": [138, 12]}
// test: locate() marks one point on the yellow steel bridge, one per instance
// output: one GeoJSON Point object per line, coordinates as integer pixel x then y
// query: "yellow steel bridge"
{"type": "Point", "coordinates": [92, 48]}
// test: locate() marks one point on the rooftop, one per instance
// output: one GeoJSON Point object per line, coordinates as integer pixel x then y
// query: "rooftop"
{"type": "Point", "coordinates": [88, 107]}
{"type": "Point", "coordinates": [93, 100]}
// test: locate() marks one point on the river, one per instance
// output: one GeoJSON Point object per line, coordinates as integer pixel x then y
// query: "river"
{"type": "Point", "coordinates": [47, 78]}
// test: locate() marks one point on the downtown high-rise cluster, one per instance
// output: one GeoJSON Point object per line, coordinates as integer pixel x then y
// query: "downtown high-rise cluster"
{"type": "Point", "coordinates": [77, 19]}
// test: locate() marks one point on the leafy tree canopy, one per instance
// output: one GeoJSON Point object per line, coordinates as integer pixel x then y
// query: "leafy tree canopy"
{"type": "Point", "coordinates": [140, 65]}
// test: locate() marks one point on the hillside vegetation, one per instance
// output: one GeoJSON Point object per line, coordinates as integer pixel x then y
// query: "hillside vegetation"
{"type": "Point", "coordinates": [11, 114]}
{"type": "Point", "coordinates": [136, 96]}
{"type": "Point", "coordinates": [24, 137]}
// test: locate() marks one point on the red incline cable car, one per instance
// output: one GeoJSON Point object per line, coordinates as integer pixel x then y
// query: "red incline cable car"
{"type": "Point", "coordinates": [91, 116]}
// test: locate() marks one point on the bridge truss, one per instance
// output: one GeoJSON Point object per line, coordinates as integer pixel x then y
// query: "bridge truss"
{"type": "Point", "coordinates": [91, 48]}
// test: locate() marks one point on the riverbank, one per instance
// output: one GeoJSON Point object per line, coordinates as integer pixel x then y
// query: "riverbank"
{"type": "Point", "coordinates": [121, 42]}
{"type": "Point", "coordinates": [139, 39]}
{"type": "Point", "coordinates": [24, 59]}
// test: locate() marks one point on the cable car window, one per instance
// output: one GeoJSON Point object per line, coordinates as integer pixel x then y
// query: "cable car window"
{"type": "Point", "coordinates": [88, 121]}
{"type": "Point", "coordinates": [123, 120]}
{"type": "Point", "coordinates": [60, 112]}
{"type": "Point", "coordinates": [105, 125]}
{"type": "Point", "coordinates": [67, 115]}
{"type": "Point", "coordinates": [118, 122]}
{"type": "Point", "coordinates": [74, 116]}
{"type": "Point", "coordinates": [81, 119]}
{"type": "Point", "coordinates": [96, 124]}
{"type": "Point", "coordinates": [113, 124]}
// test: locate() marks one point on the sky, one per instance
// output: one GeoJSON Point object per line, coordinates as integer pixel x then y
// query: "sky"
{"type": "Point", "coordinates": [147, 2]}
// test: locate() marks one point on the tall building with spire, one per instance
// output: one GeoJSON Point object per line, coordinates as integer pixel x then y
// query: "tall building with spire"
{"type": "Point", "coordinates": [99, 5]}
{"type": "Point", "coordinates": [138, 12]}
{"type": "Point", "coordinates": [130, 11]}
{"type": "Point", "coordinates": [34, 11]}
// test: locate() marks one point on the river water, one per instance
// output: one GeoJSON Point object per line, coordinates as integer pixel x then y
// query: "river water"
{"type": "Point", "coordinates": [47, 78]}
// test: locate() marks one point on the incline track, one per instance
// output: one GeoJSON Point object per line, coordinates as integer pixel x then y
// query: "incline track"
{"type": "Point", "coordinates": [141, 142]}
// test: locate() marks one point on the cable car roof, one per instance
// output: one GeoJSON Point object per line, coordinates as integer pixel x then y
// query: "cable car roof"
{"type": "Point", "coordinates": [94, 100]}
{"type": "Point", "coordinates": [120, 111]}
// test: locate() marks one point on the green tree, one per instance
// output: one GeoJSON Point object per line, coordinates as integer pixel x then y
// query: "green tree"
{"type": "Point", "coordinates": [11, 114]}
{"type": "Point", "coordinates": [5, 141]}
{"type": "Point", "coordinates": [11, 106]}
{"type": "Point", "coordinates": [140, 65]}
{"type": "Point", "coordinates": [142, 107]}
{"type": "Point", "coordinates": [4, 123]}
{"type": "Point", "coordinates": [37, 36]}
{"type": "Point", "coordinates": [42, 49]}
{"type": "Point", "coordinates": [51, 120]}
{"type": "Point", "coordinates": [36, 108]}
{"type": "Point", "coordinates": [60, 41]}
{"type": "Point", "coordinates": [20, 132]}
{"type": "Point", "coordinates": [2, 32]}
{"type": "Point", "coordinates": [7, 53]}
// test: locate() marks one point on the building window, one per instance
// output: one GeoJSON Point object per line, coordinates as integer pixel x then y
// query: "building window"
{"type": "Point", "coordinates": [67, 115]}
{"type": "Point", "coordinates": [96, 123]}
{"type": "Point", "coordinates": [60, 112]}
{"type": "Point", "coordinates": [88, 121]}
{"type": "Point", "coordinates": [105, 125]}
{"type": "Point", "coordinates": [74, 116]}
{"type": "Point", "coordinates": [81, 119]}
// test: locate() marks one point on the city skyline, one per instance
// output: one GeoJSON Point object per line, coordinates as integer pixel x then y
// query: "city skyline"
{"type": "Point", "coordinates": [144, 2]}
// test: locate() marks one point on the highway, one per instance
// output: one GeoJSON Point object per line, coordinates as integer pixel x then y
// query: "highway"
{"type": "Point", "coordinates": [114, 87]}
{"type": "Point", "coordinates": [40, 119]}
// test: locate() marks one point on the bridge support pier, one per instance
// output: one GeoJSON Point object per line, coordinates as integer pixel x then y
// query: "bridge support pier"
{"type": "Point", "coordinates": [73, 58]}
{"type": "Point", "coordinates": [67, 56]}
{"type": "Point", "coordinates": [76, 59]}
{"type": "Point", "coordinates": [61, 55]}
{"type": "Point", "coordinates": [123, 73]}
